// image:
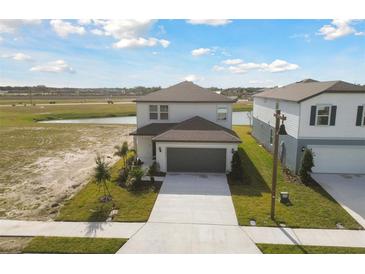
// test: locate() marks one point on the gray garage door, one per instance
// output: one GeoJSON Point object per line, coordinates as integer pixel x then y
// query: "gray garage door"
{"type": "Point", "coordinates": [196, 159]}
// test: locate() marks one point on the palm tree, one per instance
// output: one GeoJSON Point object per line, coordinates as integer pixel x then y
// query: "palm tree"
{"type": "Point", "coordinates": [102, 175]}
{"type": "Point", "coordinates": [122, 152]}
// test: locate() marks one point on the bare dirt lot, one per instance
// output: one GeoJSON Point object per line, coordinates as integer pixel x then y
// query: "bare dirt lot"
{"type": "Point", "coordinates": [41, 166]}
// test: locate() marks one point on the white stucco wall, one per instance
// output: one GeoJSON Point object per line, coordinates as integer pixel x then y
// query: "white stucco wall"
{"type": "Point", "coordinates": [344, 127]}
{"type": "Point", "coordinates": [179, 112]}
{"type": "Point", "coordinates": [144, 149]}
{"type": "Point", "coordinates": [264, 109]}
{"type": "Point", "coordinates": [161, 157]}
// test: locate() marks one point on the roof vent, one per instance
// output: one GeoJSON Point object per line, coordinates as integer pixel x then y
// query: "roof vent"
{"type": "Point", "coordinates": [308, 81]}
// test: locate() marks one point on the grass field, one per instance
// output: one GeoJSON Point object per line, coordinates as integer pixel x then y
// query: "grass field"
{"type": "Point", "coordinates": [42, 164]}
{"type": "Point", "coordinates": [133, 206]}
{"type": "Point", "coordinates": [73, 245]}
{"type": "Point", "coordinates": [311, 206]}
{"type": "Point", "coordinates": [307, 249]}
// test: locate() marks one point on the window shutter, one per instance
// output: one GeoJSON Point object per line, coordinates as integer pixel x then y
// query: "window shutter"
{"type": "Point", "coordinates": [360, 111]}
{"type": "Point", "coordinates": [313, 116]}
{"type": "Point", "coordinates": [333, 115]}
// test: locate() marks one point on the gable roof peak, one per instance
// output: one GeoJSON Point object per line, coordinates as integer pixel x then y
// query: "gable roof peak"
{"type": "Point", "coordinates": [185, 91]}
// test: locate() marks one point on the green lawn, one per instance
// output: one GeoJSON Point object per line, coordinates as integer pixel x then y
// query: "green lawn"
{"type": "Point", "coordinates": [133, 206]}
{"type": "Point", "coordinates": [72, 245]}
{"type": "Point", "coordinates": [21, 116]}
{"type": "Point", "coordinates": [311, 206]}
{"type": "Point", "coordinates": [242, 106]}
{"type": "Point", "coordinates": [308, 249]}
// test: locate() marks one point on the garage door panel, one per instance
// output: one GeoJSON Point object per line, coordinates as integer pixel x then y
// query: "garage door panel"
{"type": "Point", "coordinates": [196, 159]}
{"type": "Point", "coordinates": [338, 159]}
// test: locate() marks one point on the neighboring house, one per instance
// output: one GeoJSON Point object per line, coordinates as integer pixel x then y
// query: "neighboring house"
{"type": "Point", "coordinates": [327, 117]}
{"type": "Point", "coordinates": [185, 128]}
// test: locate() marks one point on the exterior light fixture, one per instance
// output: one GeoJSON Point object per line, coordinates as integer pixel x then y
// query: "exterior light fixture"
{"type": "Point", "coordinates": [282, 130]}
{"type": "Point", "coordinates": [159, 149]}
{"type": "Point", "coordinates": [232, 150]}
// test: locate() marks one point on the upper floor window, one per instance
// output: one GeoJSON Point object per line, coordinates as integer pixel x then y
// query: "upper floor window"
{"type": "Point", "coordinates": [153, 112]}
{"type": "Point", "coordinates": [323, 115]}
{"type": "Point", "coordinates": [222, 113]}
{"type": "Point", "coordinates": [164, 112]}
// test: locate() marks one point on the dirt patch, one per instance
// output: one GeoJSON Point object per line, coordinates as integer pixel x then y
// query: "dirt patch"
{"type": "Point", "coordinates": [10, 245]}
{"type": "Point", "coordinates": [37, 189]}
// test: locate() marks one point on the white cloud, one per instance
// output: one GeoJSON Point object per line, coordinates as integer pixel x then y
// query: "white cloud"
{"type": "Point", "coordinates": [84, 21]}
{"type": "Point", "coordinates": [338, 28]}
{"type": "Point", "coordinates": [192, 78]}
{"type": "Point", "coordinates": [55, 67]}
{"type": "Point", "coordinates": [17, 56]}
{"type": "Point", "coordinates": [209, 22]}
{"type": "Point", "coordinates": [140, 42]}
{"type": "Point", "coordinates": [280, 66]}
{"type": "Point", "coordinates": [97, 32]}
{"type": "Point", "coordinates": [11, 25]}
{"type": "Point", "coordinates": [238, 67]}
{"type": "Point", "coordinates": [129, 33]}
{"type": "Point", "coordinates": [200, 51]}
{"type": "Point", "coordinates": [63, 28]}
{"type": "Point", "coordinates": [232, 61]}
{"type": "Point", "coordinates": [218, 68]}
{"type": "Point", "coordinates": [360, 33]}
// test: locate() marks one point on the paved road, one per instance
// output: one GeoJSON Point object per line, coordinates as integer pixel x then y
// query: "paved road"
{"type": "Point", "coordinates": [193, 213]}
{"type": "Point", "coordinates": [348, 190]}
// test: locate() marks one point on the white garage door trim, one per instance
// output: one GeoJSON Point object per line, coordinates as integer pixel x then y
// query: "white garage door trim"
{"type": "Point", "coordinates": [338, 159]}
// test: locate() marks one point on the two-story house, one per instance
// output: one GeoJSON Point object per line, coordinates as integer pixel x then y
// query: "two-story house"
{"type": "Point", "coordinates": [185, 128]}
{"type": "Point", "coordinates": [327, 117]}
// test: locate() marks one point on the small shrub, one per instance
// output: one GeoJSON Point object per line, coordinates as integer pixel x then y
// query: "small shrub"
{"type": "Point", "coordinates": [236, 167]}
{"type": "Point", "coordinates": [134, 177]}
{"type": "Point", "coordinates": [306, 167]}
{"type": "Point", "coordinates": [152, 170]}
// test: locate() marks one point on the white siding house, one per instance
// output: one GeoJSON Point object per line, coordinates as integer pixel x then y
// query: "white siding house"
{"type": "Point", "coordinates": [185, 128]}
{"type": "Point", "coordinates": [326, 117]}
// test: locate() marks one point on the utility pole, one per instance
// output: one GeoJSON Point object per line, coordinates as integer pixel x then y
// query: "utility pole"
{"type": "Point", "coordinates": [279, 130]}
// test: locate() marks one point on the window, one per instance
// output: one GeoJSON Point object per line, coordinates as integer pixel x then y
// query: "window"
{"type": "Point", "coordinates": [164, 112]}
{"type": "Point", "coordinates": [323, 115]}
{"type": "Point", "coordinates": [363, 116]}
{"type": "Point", "coordinates": [222, 113]}
{"type": "Point", "coordinates": [153, 112]}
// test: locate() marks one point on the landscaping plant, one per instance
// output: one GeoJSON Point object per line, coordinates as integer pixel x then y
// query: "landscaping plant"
{"type": "Point", "coordinates": [102, 176]}
{"type": "Point", "coordinates": [122, 151]}
{"type": "Point", "coordinates": [306, 167]}
{"type": "Point", "coordinates": [135, 177]}
{"type": "Point", "coordinates": [236, 167]}
{"type": "Point", "coordinates": [152, 171]}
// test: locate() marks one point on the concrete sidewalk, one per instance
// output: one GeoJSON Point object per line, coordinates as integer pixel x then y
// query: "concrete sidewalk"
{"type": "Point", "coordinates": [69, 229]}
{"type": "Point", "coordinates": [301, 236]}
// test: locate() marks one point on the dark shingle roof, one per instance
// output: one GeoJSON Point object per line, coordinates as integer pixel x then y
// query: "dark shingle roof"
{"type": "Point", "coordinates": [153, 129]}
{"type": "Point", "coordinates": [308, 88]}
{"type": "Point", "coordinates": [198, 129]}
{"type": "Point", "coordinates": [185, 92]}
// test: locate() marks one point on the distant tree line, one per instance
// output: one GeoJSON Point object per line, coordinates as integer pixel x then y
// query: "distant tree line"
{"type": "Point", "coordinates": [240, 92]}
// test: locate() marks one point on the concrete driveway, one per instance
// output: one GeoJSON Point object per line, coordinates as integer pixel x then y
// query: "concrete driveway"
{"type": "Point", "coordinates": [348, 190]}
{"type": "Point", "coordinates": [194, 199]}
{"type": "Point", "coordinates": [193, 213]}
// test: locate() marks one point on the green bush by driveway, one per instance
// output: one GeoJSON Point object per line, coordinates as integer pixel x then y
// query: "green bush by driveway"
{"type": "Point", "coordinates": [74, 245]}
{"type": "Point", "coordinates": [311, 206]}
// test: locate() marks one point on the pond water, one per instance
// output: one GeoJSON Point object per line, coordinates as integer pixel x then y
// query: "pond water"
{"type": "Point", "coordinates": [238, 118]}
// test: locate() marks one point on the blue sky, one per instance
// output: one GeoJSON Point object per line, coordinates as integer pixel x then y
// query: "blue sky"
{"type": "Point", "coordinates": [222, 53]}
